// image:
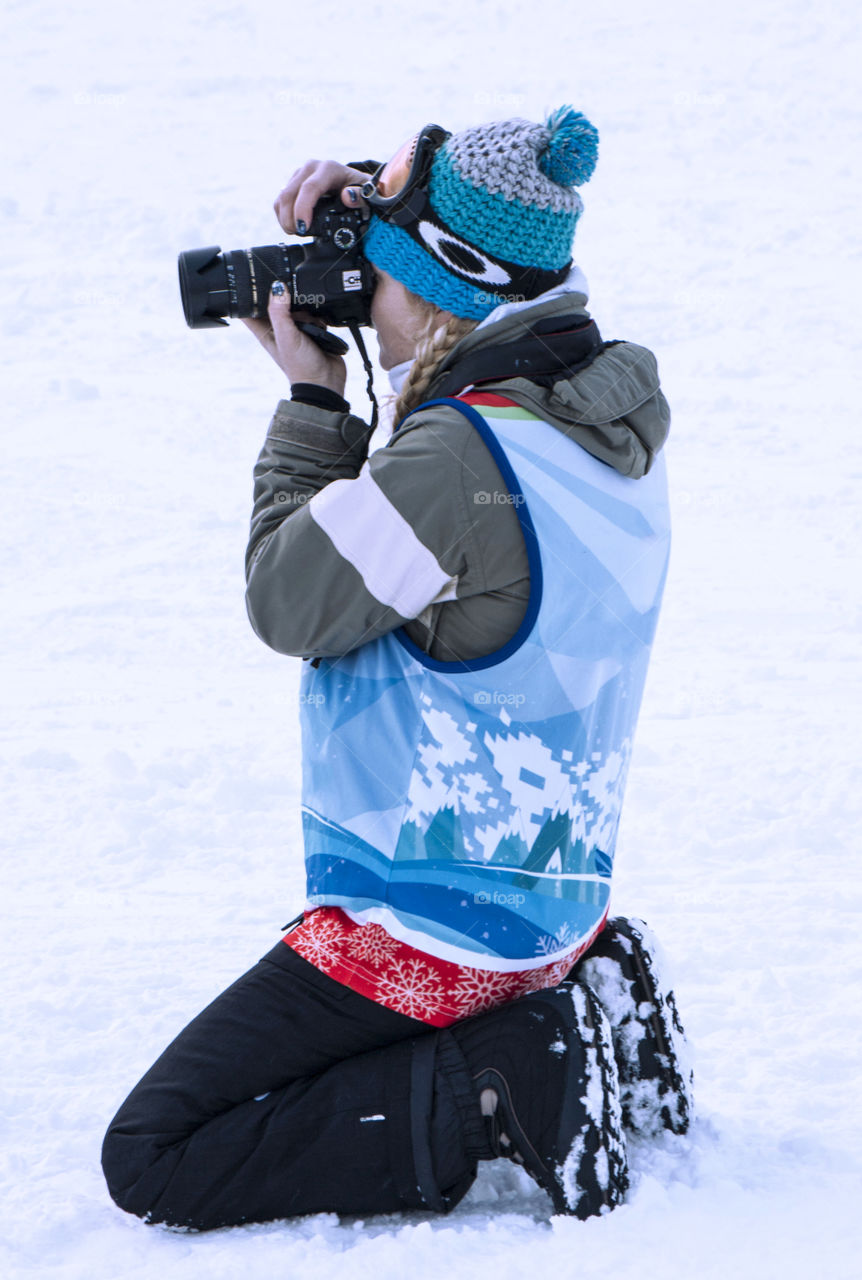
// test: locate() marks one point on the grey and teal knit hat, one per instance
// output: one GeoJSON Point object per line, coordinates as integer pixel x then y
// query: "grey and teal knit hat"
{"type": "Point", "coordinates": [500, 218]}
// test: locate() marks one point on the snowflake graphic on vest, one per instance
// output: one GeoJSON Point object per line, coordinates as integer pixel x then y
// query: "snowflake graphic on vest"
{"type": "Point", "coordinates": [491, 791]}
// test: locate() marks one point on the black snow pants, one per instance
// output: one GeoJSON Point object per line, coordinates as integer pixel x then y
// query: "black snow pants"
{"type": "Point", "coordinates": [292, 1094]}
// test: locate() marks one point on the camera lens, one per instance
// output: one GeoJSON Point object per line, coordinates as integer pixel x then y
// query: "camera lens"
{"type": "Point", "coordinates": [236, 284]}
{"type": "Point", "coordinates": [203, 287]}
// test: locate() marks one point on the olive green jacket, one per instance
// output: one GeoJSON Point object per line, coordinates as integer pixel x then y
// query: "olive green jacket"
{"type": "Point", "coordinates": [312, 587]}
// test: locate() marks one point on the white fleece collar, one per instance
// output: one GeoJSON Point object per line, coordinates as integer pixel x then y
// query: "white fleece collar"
{"type": "Point", "coordinates": [398, 375]}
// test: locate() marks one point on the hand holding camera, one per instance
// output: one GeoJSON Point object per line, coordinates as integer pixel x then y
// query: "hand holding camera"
{"type": "Point", "coordinates": [295, 205]}
{"type": "Point", "coordinates": [294, 347]}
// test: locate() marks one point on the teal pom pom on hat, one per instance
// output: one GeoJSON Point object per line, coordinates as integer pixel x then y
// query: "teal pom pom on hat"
{"type": "Point", "coordinates": [506, 189]}
{"type": "Point", "coordinates": [572, 150]}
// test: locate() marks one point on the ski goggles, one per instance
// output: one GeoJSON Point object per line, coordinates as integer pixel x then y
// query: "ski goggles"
{"type": "Point", "coordinates": [398, 194]}
{"type": "Point", "coordinates": [398, 191]}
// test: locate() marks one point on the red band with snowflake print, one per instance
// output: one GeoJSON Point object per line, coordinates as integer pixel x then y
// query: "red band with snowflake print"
{"type": "Point", "coordinates": [371, 962]}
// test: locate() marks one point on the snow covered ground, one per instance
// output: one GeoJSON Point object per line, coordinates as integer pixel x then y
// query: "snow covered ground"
{"type": "Point", "coordinates": [149, 741]}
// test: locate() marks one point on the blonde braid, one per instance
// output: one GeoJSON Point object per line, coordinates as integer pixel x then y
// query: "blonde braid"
{"type": "Point", "coordinates": [434, 345]}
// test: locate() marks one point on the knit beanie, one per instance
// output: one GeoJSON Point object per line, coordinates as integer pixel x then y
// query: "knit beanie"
{"type": "Point", "coordinates": [501, 215]}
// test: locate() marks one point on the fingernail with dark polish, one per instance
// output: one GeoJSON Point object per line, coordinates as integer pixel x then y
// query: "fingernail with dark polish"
{"type": "Point", "coordinates": [352, 195]}
{"type": "Point", "coordinates": [300, 226]}
{"type": "Point", "coordinates": [278, 289]}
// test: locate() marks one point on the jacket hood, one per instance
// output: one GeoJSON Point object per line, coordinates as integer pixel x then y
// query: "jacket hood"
{"type": "Point", "coordinates": [612, 406]}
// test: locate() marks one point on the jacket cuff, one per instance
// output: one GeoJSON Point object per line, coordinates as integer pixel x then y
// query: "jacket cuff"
{"type": "Point", "coordinates": [321, 397]}
{"type": "Point", "coordinates": [324, 430]}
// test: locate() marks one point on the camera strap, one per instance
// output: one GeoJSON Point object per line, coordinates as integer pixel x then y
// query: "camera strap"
{"type": "Point", "coordinates": [356, 334]}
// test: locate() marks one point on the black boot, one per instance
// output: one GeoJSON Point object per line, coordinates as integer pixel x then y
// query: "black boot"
{"type": "Point", "coordinates": [624, 969]}
{"type": "Point", "coordinates": [544, 1069]}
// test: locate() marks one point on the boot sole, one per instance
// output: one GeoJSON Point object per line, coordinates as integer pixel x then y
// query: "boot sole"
{"type": "Point", "coordinates": [655, 1080]}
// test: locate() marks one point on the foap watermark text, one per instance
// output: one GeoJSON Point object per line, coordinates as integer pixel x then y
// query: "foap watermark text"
{"type": "Point", "coordinates": [499, 898]}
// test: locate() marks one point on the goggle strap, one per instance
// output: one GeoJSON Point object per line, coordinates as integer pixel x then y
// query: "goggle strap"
{"type": "Point", "coordinates": [409, 210]}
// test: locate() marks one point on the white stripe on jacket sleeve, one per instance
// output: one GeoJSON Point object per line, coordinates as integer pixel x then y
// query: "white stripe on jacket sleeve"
{"type": "Point", "coordinates": [372, 535]}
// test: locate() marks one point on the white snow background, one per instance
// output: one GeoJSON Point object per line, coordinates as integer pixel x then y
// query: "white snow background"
{"type": "Point", "coordinates": [149, 741]}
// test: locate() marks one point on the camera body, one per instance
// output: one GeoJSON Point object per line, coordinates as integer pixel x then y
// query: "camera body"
{"type": "Point", "coordinates": [329, 277]}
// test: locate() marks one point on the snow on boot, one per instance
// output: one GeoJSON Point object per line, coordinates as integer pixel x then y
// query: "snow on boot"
{"type": "Point", "coordinates": [544, 1070]}
{"type": "Point", "coordinates": [625, 970]}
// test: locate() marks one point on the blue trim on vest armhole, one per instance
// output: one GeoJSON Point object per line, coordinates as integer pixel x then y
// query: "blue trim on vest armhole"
{"type": "Point", "coordinates": [531, 542]}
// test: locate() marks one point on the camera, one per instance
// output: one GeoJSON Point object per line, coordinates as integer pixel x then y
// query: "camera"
{"type": "Point", "coordinates": [329, 277]}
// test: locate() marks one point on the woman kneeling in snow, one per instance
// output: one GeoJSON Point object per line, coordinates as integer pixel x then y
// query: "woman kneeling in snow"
{"type": "Point", "coordinates": [477, 602]}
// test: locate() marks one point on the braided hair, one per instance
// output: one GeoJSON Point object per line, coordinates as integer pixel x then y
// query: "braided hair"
{"type": "Point", "coordinates": [435, 343]}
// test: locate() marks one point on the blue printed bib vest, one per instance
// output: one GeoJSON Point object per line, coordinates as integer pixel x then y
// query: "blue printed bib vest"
{"type": "Point", "coordinates": [471, 808]}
